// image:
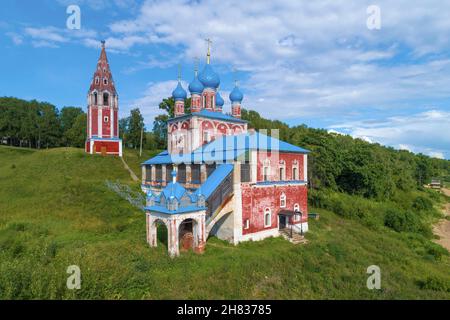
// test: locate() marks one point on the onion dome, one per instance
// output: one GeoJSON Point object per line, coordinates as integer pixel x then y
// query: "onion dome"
{"type": "Point", "coordinates": [236, 95]}
{"type": "Point", "coordinates": [179, 93]}
{"type": "Point", "coordinates": [196, 86]}
{"type": "Point", "coordinates": [209, 78]}
{"type": "Point", "coordinates": [219, 100]}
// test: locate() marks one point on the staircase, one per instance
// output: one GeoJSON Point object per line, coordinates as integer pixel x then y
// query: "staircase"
{"type": "Point", "coordinates": [296, 237]}
{"type": "Point", "coordinates": [225, 208]}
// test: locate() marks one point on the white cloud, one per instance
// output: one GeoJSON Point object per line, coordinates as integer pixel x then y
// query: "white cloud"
{"type": "Point", "coordinates": [425, 132]}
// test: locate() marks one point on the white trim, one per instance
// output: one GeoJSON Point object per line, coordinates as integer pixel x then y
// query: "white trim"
{"type": "Point", "coordinates": [260, 235]}
{"type": "Point", "coordinates": [111, 123]}
{"type": "Point", "coordinates": [100, 123]}
{"type": "Point", "coordinates": [283, 199]}
{"type": "Point", "coordinates": [305, 167]}
{"type": "Point", "coordinates": [268, 212]}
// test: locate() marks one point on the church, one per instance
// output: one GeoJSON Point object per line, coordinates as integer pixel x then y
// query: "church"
{"type": "Point", "coordinates": [102, 114]}
{"type": "Point", "coordinates": [218, 177]}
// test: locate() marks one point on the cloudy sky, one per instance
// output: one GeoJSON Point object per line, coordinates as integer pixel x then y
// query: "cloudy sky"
{"type": "Point", "coordinates": [312, 62]}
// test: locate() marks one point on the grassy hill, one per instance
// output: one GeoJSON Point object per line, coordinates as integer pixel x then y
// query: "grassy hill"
{"type": "Point", "coordinates": [56, 210]}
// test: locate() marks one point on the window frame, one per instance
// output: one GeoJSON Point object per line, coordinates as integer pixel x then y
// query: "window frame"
{"type": "Point", "coordinates": [267, 213]}
{"type": "Point", "coordinates": [283, 200]}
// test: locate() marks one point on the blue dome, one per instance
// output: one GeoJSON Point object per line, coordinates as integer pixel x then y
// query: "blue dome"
{"type": "Point", "coordinates": [179, 93]}
{"type": "Point", "coordinates": [209, 78]}
{"type": "Point", "coordinates": [236, 95]}
{"type": "Point", "coordinates": [219, 100]}
{"type": "Point", "coordinates": [196, 86]}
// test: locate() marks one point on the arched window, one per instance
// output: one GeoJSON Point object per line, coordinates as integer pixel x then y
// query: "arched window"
{"type": "Point", "coordinates": [296, 209]}
{"type": "Point", "coordinates": [295, 170]}
{"type": "Point", "coordinates": [266, 170]}
{"type": "Point", "coordinates": [105, 81]}
{"type": "Point", "coordinates": [267, 218]}
{"type": "Point", "coordinates": [97, 80]}
{"type": "Point", "coordinates": [282, 176]}
{"type": "Point", "coordinates": [106, 99]}
{"type": "Point", "coordinates": [283, 200]}
{"type": "Point", "coordinates": [95, 98]}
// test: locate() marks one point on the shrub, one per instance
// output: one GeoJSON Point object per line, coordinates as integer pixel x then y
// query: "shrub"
{"type": "Point", "coordinates": [422, 204]}
{"type": "Point", "coordinates": [435, 284]}
{"type": "Point", "coordinates": [402, 221]}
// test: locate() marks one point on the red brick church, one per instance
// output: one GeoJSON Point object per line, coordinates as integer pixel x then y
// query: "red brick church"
{"type": "Point", "coordinates": [103, 108]}
{"type": "Point", "coordinates": [218, 177]}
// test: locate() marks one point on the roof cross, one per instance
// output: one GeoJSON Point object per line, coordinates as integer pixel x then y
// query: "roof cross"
{"type": "Point", "coordinates": [208, 55]}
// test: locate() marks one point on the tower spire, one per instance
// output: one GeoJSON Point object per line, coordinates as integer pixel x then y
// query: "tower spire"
{"type": "Point", "coordinates": [208, 55]}
{"type": "Point", "coordinates": [179, 72]}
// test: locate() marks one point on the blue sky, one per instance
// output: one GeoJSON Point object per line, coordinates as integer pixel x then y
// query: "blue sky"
{"type": "Point", "coordinates": [312, 62]}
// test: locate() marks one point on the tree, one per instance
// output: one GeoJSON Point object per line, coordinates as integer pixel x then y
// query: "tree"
{"type": "Point", "coordinates": [76, 135]}
{"type": "Point", "coordinates": [68, 117]}
{"type": "Point", "coordinates": [135, 127]}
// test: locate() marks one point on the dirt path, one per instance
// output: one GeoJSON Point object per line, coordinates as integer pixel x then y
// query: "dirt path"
{"type": "Point", "coordinates": [442, 228]}
{"type": "Point", "coordinates": [132, 174]}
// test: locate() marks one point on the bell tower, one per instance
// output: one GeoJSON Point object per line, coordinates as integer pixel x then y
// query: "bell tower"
{"type": "Point", "coordinates": [103, 109]}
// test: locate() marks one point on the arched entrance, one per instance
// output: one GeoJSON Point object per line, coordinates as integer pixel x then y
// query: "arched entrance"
{"type": "Point", "coordinates": [187, 234]}
{"type": "Point", "coordinates": [162, 233]}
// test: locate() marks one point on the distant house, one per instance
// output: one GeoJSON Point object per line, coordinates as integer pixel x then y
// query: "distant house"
{"type": "Point", "coordinates": [435, 184]}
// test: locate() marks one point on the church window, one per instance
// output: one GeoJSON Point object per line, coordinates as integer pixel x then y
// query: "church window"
{"type": "Point", "coordinates": [105, 81]}
{"type": "Point", "coordinates": [266, 170]}
{"type": "Point", "coordinates": [105, 119]}
{"type": "Point", "coordinates": [283, 201]}
{"type": "Point", "coordinates": [267, 217]}
{"type": "Point", "coordinates": [97, 80]}
{"type": "Point", "coordinates": [105, 99]}
{"type": "Point", "coordinates": [296, 209]}
{"type": "Point", "coordinates": [95, 98]}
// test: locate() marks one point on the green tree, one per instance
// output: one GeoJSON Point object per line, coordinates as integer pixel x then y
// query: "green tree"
{"type": "Point", "coordinates": [76, 135]}
{"type": "Point", "coordinates": [135, 127]}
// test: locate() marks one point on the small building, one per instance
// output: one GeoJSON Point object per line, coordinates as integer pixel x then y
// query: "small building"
{"type": "Point", "coordinates": [219, 178]}
{"type": "Point", "coordinates": [435, 184]}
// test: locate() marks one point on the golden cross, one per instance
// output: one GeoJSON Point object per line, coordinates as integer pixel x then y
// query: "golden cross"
{"type": "Point", "coordinates": [208, 55]}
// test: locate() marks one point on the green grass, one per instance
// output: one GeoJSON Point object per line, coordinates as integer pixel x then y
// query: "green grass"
{"type": "Point", "coordinates": [131, 156]}
{"type": "Point", "coordinates": [56, 211]}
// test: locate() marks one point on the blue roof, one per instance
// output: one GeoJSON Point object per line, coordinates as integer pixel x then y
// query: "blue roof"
{"type": "Point", "coordinates": [214, 180]}
{"type": "Point", "coordinates": [268, 183]}
{"type": "Point", "coordinates": [175, 190]}
{"type": "Point", "coordinates": [180, 210]}
{"type": "Point", "coordinates": [236, 95]}
{"type": "Point", "coordinates": [227, 148]}
{"type": "Point", "coordinates": [210, 114]}
{"type": "Point", "coordinates": [196, 86]}
{"type": "Point", "coordinates": [179, 93]}
{"type": "Point", "coordinates": [219, 99]}
{"type": "Point", "coordinates": [208, 77]}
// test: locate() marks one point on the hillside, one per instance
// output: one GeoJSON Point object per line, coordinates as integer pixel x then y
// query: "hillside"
{"type": "Point", "coordinates": [56, 210]}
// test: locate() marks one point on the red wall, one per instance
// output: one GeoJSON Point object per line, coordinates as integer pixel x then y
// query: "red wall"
{"type": "Point", "coordinates": [275, 165]}
{"type": "Point", "coordinates": [256, 198]}
{"type": "Point", "coordinates": [111, 146]}
{"type": "Point", "coordinates": [94, 118]}
{"type": "Point", "coordinates": [106, 125]}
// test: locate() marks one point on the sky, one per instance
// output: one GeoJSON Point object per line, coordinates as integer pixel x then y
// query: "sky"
{"type": "Point", "coordinates": [380, 73]}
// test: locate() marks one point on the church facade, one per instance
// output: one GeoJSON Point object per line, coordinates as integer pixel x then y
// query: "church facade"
{"type": "Point", "coordinates": [218, 177]}
{"type": "Point", "coordinates": [102, 113]}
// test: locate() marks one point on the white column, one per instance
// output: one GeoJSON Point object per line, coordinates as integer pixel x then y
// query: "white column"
{"type": "Point", "coordinates": [237, 212]}
{"type": "Point", "coordinates": [305, 167]}
{"type": "Point", "coordinates": [111, 121]}
{"type": "Point", "coordinates": [100, 123]}
{"type": "Point", "coordinates": [254, 165]}
{"type": "Point", "coordinates": [90, 121]}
